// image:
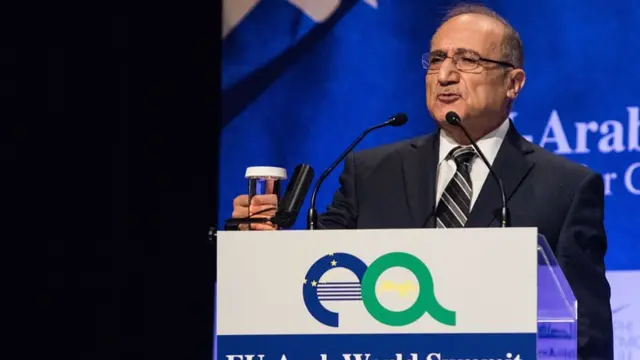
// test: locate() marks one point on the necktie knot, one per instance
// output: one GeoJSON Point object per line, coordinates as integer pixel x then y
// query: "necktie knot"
{"type": "Point", "coordinates": [463, 155]}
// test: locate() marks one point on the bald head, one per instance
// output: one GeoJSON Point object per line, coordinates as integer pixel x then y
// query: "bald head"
{"type": "Point", "coordinates": [471, 31]}
{"type": "Point", "coordinates": [510, 44]}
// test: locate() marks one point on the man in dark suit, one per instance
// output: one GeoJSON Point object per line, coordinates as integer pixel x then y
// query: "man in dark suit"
{"type": "Point", "coordinates": [474, 68]}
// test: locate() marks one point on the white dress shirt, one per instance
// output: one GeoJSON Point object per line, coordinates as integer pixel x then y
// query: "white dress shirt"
{"type": "Point", "coordinates": [489, 144]}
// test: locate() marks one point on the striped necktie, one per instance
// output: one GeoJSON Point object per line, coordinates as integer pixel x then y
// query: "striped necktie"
{"type": "Point", "coordinates": [455, 203]}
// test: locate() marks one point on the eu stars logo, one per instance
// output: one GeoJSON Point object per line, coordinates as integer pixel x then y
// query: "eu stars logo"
{"type": "Point", "coordinates": [364, 289]}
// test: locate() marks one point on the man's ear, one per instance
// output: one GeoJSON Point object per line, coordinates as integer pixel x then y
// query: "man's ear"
{"type": "Point", "coordinates": [515, 82]}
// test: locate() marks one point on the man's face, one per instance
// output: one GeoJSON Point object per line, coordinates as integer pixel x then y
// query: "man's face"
{"type": "Point", "coordinates": [479, 95]}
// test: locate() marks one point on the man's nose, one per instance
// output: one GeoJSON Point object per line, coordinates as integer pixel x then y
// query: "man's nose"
{"type": "Point", "coordinates": [448, 73]}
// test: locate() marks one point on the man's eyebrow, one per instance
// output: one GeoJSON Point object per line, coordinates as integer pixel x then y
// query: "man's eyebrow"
{"type": "Point", "coordinates": [465, 50]}
{"type": "Point", "coordinates": [457, 51]}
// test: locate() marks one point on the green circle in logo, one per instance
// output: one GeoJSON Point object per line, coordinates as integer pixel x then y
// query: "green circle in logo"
{"type": "Point", "coordinates": [426, 301]}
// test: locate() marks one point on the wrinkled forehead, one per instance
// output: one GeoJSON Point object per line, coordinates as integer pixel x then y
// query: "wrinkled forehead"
{"type": "Point", "coordinates": [479, 33]}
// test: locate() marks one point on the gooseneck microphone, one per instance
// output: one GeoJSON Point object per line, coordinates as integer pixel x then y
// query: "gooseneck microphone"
{"type": "Point", "coordinates": [453, 118]}
{"type": "Point", "coordinates": [312, 217]}
{"type": "Point", "coordinates": [293, 197]}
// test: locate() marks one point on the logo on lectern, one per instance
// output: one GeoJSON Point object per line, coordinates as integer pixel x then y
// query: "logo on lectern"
{"type": "Point", "coordinates": [367, 288]}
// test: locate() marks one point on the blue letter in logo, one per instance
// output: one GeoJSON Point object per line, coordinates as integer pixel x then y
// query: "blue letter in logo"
{"type": "Point", "coordinates": [313, 291]}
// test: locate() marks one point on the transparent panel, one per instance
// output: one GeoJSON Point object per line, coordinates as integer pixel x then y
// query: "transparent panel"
{"type": "Point", "coordinates": [557, 309]}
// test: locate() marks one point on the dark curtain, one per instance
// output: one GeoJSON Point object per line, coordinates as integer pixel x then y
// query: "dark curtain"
{"type": "Point", "coordinates": [110, 152]}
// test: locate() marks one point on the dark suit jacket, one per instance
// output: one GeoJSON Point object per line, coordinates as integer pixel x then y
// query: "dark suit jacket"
{"type": "Point", "coordinates": [393, 186]}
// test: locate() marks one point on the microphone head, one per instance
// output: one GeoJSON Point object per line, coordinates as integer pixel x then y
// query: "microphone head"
{"type": "Point", "coordinates": [293, 197]}
{"type": "Point", "coordinates": [398, 119]}
{"type": "Point", "coordinates": [453, 118]}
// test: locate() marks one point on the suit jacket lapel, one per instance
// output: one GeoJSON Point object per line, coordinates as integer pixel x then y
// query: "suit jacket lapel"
{"type": "Point", "coordinates": [419, 168]}
{"type": "Point", "coordinates": [512, 166]}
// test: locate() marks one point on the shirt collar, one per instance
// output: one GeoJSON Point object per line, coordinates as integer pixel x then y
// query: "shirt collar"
{"type": "Point", "coordinates": [489, 144]}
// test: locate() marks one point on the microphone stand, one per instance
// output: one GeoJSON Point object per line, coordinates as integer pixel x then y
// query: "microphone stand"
{"type": "Point", "coordinates": [312, 215]}
{"type": "Point", "coordinates": [505, 221]}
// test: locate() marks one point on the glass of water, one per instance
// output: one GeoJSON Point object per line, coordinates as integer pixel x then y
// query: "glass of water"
{"type": "Point", "coordinates": [265, 180]}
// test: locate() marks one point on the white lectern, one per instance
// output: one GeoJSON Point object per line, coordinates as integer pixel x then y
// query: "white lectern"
{"type": "Point", "coordinates": [429, 294]}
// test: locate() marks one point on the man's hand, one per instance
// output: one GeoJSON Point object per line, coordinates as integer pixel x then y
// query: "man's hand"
{"type": "Point", "coordinates": [263, 206]}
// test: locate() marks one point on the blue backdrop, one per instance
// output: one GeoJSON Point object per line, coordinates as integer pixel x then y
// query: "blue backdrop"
{"type": "Point", "coordinates": [296, 90]}
{"type": "Point", "coordinates": [300, 82]}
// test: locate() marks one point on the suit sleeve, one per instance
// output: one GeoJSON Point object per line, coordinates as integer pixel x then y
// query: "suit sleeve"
{"type": "Point", "coordinates": [582, 247]}
{"type": "Point", "coordinates": [342, 213]}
